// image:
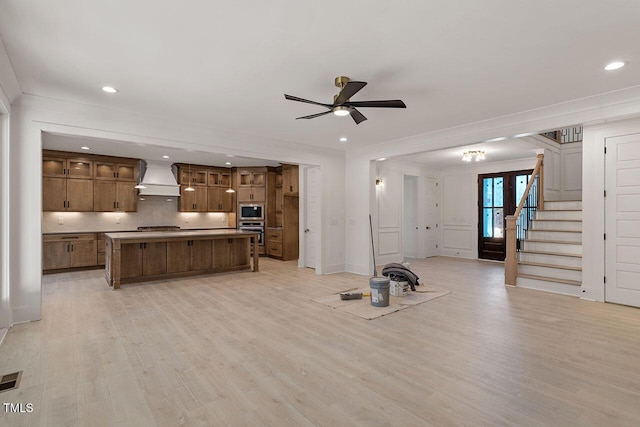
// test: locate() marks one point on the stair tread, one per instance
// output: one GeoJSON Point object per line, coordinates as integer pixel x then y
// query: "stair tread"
{"type": "Point", "coordinates": [561, 220]}
{"type": "Point", "coordinates": [556, 231]}
{"type": "Point", "coordinates": [551, 253]}
{"type": "Point", "coordinates": [559, 210]}
{"type": "Point", "coordinates": [540, 264]}
{"type": "Point", "coordinates": [550, 279]}
{"type": "Point", "coordinates": [553, 241]}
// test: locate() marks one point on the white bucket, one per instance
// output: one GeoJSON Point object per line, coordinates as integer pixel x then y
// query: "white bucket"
{"type": "Point", "coordinates": [399, 289]}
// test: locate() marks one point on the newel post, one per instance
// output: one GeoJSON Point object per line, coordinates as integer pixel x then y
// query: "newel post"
{"type": "Point", "coordinates": [541, 182]}
{"type": "Point", "coordinates": [511, 260]}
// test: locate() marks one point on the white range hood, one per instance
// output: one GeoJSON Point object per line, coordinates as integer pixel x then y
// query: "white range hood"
{"type": "Point", "coordinates": [158, 179]}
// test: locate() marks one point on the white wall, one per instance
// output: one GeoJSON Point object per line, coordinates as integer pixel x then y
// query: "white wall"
{"type": "Point", "coordinates": [5, 113]}
{"type": "Point", "coordinates": [460, 205]}
{"type": "Point", "coordinates": [389, 205]}
{"type": "Point", "coordinates": [562, 169]}
{"type": "Point", "coordinates": [32, 115]}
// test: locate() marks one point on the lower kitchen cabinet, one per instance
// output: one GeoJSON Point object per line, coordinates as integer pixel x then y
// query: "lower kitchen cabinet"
{"type": "Point", "coordinates": [143, 259]}
{"type": "Point", "coordinates": [230, 252]}
{"type": "Point", "coordinates": [61, 251]}
{"type": "Point", "coordinates": [188, 255]}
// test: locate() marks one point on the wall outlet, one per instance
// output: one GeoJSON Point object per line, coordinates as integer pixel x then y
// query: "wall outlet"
{"type": "Point", "coordinates": [60, 220]}
{"type": "Point", "coordinates": [186, 219]}
{"type": "Point", "coordinates": [117, 220]}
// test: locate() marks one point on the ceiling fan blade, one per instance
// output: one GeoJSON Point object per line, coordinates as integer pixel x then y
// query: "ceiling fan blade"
{"type": "Point", "coordinates": [357, 116]}
{"type": "Point", "coordinates": [313, 116]}
{"type": "Point", "coordinates": [392, 103]}
{"type": "Point", "coordinates": [295, 98]}
{"type": "Point", "coordinates": [350, 89]}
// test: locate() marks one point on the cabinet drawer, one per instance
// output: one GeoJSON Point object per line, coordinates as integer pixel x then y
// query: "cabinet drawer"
{"type": "Point", "coordinates": [274, 249]}
{"type": "Point", "coordinates": [274, 236]}
{"type": "Point", "coordinates": [68, 237]}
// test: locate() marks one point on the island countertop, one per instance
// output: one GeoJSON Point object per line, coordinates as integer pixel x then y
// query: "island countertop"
{"type": "Point", "coordinates": [134, 256]}
{"type": "Point", "coordinates": [187, 234]}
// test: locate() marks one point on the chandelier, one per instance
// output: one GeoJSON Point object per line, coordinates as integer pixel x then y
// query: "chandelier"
{"type": "Point", "coordinates": [470, 155]}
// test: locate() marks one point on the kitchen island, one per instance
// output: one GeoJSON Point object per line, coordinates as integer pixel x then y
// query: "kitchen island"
{"type": "Point", "coordinates": [142, 256]}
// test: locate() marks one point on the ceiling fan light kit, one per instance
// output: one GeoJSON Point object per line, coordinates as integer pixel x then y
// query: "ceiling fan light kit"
{"type": "Point", "coordinates": [342, 104]}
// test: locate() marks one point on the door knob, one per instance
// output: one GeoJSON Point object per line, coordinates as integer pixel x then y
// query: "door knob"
{"type": "Point", "coordinates": [306, 230]}
{"type": "Point", "coordinates": [416, 228]}
{"type": "Point", "coordinates": [428, 228]}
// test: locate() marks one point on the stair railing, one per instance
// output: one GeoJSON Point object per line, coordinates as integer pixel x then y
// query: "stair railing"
{"type": "Point", "coordinates": [514, 233]}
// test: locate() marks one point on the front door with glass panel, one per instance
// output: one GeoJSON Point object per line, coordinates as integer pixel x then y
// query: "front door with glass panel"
{"type": "Point", "coordinates": [498, 196]}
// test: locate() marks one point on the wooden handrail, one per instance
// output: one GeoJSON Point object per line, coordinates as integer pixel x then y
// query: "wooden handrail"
{"type": "Point", "coordinates": [511, 259]}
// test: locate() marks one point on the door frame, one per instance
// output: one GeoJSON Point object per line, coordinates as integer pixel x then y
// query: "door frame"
{"type": "Point", "coordinates": [509, 204]}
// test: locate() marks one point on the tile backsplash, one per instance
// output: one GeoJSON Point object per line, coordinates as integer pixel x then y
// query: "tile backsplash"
{"type": "Point", "coordinates": [153, 210]}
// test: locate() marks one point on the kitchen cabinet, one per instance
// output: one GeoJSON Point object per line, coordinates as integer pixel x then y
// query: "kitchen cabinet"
{"type": "Point", "coordinates": [230, 252]}
{"type": "Point", "coordinates": [290, 179]}
{"type": "Point", "coordinates": [252, 185]}
{"type": "Point", "coordinates": [85, 183]}
{"type": "Point", "coordinates": [143, 259]}
{"type": "Point", "coordinates": [219, 200]}
{"type": "Point", "coordinates": [72, 250]}
{"type": "Point", "coordinates": [189, 255]}
{"type": "Point", "coordinates": [193, 201]}
{"type": "Point", "coordinates": [252, 177]}
{"type": "Point", "coordinates": [274, 242]}
{"type": "Point", "coordinates": [101, 249]}
{"type": "Point", "coordinates": [290, 227]}
{"type": "Point", "coordinates": [112, 171]}
{"type": "Point", "coordinates": [189, 175]}
{"type": "Point", "coordinates": [67, 194]}
{"type": "Point", "coordinates": [252, 194]}
{"type": "Point", "coordinates": [219, 178]}
{"type": "Point", "coordinates": [114, 196]}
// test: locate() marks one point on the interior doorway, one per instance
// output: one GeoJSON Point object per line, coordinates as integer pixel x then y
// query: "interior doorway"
{"type": "Point", "coordinates": [498, 196]}
{"type": "Point", "coordinates": [312, 218]}
{"type": "Point", "coordinates": [410, 227]}
{"type": "Point", "coordinates": [431, 218]}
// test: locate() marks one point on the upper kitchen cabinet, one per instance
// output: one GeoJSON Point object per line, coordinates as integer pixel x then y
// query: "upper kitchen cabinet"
{"type": "Point", "coordinates": [88, 183]}
{"type": "Point", "coordinates": [111, 171]}
{"type": "Point", "coordinates": [110, 196]}
{"type": "Point", "coordinates": [192, 175]}
{"type": "Point", "coordinates": [193, 201]}
{"type": "Point", "coordinates": [114, 187]}
{"type": "Point", "coordinates": [63, 194]}
{"type": "Point", "coordinates": [67, 168]}
{"type": "Point", "coordinates": [290, 179]}
{"type": "Point", "coordinates": [220, 180]}
{"type": "Point", "coordinates": [220, 177]}
{"type": "Point", "coordinates": [252, 185]}
{"type": "Point", "coordinates": [67, 184]}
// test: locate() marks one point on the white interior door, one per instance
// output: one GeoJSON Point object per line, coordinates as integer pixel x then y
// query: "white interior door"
{"type": "Point", "coordinates": [312, 219]}
{"type": "Point", "coordinates": [410, 230]}
{"type": "Point", "coordinates": [622, 245]}
{"type": "Point", "coordinates": [431, 218]}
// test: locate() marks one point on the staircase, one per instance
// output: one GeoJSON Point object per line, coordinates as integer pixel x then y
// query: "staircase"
{"type": "Point", "coordinates": [550, 258]}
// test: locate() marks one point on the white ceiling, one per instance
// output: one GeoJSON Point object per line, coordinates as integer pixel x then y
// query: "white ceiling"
{"type": "Point", "coordinates": [497, 151]}
{"type": "Point", "coordinates": [145, 151]}
{"type": "Point", "coordinates": [226, 65]}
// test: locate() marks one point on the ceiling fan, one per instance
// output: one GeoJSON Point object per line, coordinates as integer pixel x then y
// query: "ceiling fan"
{"type": "Point", "coordinates": [342, 105]}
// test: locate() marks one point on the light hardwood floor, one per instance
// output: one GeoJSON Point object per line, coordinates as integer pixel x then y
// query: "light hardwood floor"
{"type": "Point", "coordinates": [252, 349]}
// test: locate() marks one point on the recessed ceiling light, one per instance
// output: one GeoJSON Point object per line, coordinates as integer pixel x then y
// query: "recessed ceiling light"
{"type": "Point", "coordinates": [521, 135]}
{"type": "Point", "coordinates": [615, 65]}
{"type": "Point", "coordinates": [84, 148]}
{"type": "Point", "coordinates": [381, 159]}
{"type": "Point", "coordinates": [109, 89]}
{"type": "Point", "coordinates": [165, 157]}
{"type": "Point", "coordinates": [500, 138]}
{"type": "Point", "coordinates": [343, 139]}
{"type": "Point", "coordinates": [228, 163]}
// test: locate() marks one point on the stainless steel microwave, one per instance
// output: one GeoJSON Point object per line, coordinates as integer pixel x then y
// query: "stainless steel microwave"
{"type": "Point", "coordinates": [252, 212]}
